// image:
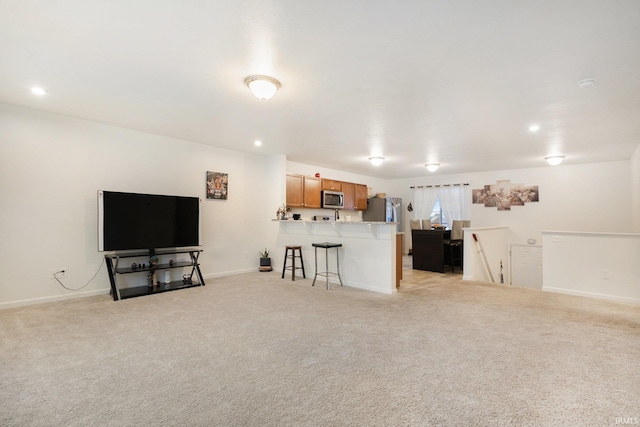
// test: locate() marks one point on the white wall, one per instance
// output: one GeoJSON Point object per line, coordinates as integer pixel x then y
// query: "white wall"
{"type": "Point", "coordinates": [588, 197]}
{"type": "Point", "coordinates": [635, 189]}
{"type": "Point", "coordinates": [600, 265]}
{"type": "Point", "coordinates": [51, 167]}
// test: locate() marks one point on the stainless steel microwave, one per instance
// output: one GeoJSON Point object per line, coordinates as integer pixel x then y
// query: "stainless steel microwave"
{"type": "Point", "coordinates": [332, 199]}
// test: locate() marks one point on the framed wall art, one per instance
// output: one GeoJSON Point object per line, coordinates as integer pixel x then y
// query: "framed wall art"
{"type": "Point", "coordinates": [217, 185]}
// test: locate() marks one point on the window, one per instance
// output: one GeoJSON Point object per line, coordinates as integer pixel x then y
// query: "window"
{"type": "Point", "coordinates": [438, 216]}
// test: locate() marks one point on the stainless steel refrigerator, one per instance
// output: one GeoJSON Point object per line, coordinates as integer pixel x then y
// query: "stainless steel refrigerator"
{"type": "Point", "coordinates": [388, 209]}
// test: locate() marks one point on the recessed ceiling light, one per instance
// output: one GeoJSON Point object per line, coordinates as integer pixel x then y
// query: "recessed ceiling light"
{"type": "Point", "coordinates": [586, 83]}
{"type": "Point", "coordinates": [554, 160]}
{"type": "Point", "coordinates": [38, 91]}
{"type": "Point", "coordinates": [534, 128]}
{"type": "Point", "coordinates": [257, 143]}
{"type": "Point", "coordinates": [432, 167]}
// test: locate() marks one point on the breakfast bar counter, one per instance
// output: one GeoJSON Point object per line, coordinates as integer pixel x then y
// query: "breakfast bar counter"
{"type": "Point", "coordinates": [367, 257]}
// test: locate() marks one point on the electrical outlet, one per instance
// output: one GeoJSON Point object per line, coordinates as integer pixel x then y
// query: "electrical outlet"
{"type": "Point", "coordinates": [60, 273]}
{"type": "Point", "coordinates": [246, 255]}
{"type": "Point", "coordinates": [604, 274]}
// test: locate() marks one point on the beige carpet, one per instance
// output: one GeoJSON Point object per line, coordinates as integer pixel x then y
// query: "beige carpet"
{"type": "Point", "coordinates": [257, 350]}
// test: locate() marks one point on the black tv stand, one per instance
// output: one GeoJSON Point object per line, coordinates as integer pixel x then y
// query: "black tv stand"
{"type": "Point", "coordinates": [189, 281]}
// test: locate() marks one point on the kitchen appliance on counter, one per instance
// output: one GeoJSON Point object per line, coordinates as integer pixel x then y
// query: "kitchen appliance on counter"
{"type": "Point", "coordinates": [387, 209]}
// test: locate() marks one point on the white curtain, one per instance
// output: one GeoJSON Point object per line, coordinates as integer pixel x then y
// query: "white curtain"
{"type": "Point", "coordinates": [454, 202]}
{"type": "Point", "coordinates": [423, 201]}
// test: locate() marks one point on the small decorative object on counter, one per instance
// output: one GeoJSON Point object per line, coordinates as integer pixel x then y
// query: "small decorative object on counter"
{"type": "Point", "coordinates": [153, 261]}
{"type": "Point", "coordinates": [317, 174]}
{"type": "Point", "coordinates": [282, 213]}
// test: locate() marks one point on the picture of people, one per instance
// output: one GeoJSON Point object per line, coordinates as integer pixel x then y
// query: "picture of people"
{"type": "Point", "coordinates": [504, 194]}
{"type": "Point", "coordinates": [217, 185]}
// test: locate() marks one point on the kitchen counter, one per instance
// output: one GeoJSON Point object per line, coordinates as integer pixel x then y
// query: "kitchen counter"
{"type": "Point", "coordinates": [332, 222]}
{"type": "Point", "coordinates": [367, 255]}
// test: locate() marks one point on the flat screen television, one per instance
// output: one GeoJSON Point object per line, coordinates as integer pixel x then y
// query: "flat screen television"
{"type": "Point", "coordinates": [129, 221]}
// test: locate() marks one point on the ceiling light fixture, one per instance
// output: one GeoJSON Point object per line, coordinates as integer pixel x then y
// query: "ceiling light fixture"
{"type": "Point", "coordinates": [534, 128]}
{"type": "Point", "coordinates": [263, 87]}
{"type": "Point", "coordinates": [554, 160]}
{"type": "Point", "coordinates": [432, 167]}
{"type": "Point", "coordinates": [257, 143]}
{"type": "Point", "coordinates": [586, 83]}
{"type": "Point", "coordinates": [376, 161]}
{"type": "Point", "coordinates": [38, 91]}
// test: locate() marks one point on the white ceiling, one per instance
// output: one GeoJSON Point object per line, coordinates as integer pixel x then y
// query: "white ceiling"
{"type": "Point", "coordinates": [416, 81]}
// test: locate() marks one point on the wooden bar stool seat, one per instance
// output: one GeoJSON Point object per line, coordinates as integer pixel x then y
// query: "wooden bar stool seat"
{"type": "Point", "coordinates": [293, 257]}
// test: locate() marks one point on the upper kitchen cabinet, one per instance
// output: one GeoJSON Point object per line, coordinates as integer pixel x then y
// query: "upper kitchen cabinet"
{"type": "Point", "coordinates": [355, 196]}
{"type": "Point", "coordinates": [361, 197]}
{"type": "Point", "coordinates": [330, 184]}
{"type": "Point", "coordinates": [303, 191]}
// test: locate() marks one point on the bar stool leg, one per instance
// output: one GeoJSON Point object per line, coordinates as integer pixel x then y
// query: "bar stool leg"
{"type": "Point", "coordinates": [293, 265]}
{"type": "Point", "coordinates": [284, 266]}
{"type": "Point", "coordinates": [302, 265]}
{"type": "Point", "coordinates": [338, 265]}
{"type": "Point", "coordinates": [316, 264]}
{"type": "Point", "coordinates": [326, 262]}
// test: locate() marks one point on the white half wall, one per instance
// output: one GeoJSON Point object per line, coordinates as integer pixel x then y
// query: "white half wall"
{"type": "Point", "coordinates": [600, 265]}
{"type": "Point", "coordinates": [52, 167]}
{"type": "Point", "coordinates": [483, 255]}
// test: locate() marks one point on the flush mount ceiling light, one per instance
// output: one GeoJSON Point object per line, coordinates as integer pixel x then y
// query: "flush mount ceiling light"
{"type": "Point", "coordinates": [263, 87]}
{"type": "Point", "coordinates": [432, 167]}
{"type": "Point", "coordinates": [586, 83]}
{"type": "Point", "coordinates": [554, 160]}
{"type": "Point", "coordinates": [38, 91]}
{"type": "Point", "coordinates": [534, 128]}
{"type": "Point", "coordinates": [376, 161]}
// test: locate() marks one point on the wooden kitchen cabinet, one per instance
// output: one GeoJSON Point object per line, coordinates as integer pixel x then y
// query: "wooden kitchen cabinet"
{"type": "Point", "coordinates": [355, 196]}
{"type": "Point", "coordinates": [349, 191]}
{"type": "Point", "coordinates": [303, 191]}
{"type": "Point", "coordinates": [360, 197]}
{"type": "Point", "coordinates": [331, 184]}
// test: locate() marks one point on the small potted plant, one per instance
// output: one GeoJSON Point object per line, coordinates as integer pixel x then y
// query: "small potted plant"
{"type": "Point", "coordinates": [265, 261]}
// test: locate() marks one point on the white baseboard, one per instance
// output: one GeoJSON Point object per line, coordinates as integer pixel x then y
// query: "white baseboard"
{"type": "Point", "coordinates": [42, 300]}
{"type": "Point", "coordinates": [592, 295]}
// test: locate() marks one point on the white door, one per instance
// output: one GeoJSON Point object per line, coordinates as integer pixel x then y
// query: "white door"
{"type": "Point", "coordinates": [526, 266]}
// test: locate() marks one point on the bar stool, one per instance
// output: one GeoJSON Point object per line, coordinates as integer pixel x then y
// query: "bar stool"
{"type": "Point", "coordinates": [327, 273]}
{"type": "Point", "coordinates": [293, 257]}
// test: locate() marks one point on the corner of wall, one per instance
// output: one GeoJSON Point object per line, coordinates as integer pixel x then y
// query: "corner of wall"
{"type": "Point", "coordinates": [635, 190]}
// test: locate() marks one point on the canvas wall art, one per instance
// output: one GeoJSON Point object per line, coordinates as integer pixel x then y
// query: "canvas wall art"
{"type": "Point", "coordinates": [503, 194]}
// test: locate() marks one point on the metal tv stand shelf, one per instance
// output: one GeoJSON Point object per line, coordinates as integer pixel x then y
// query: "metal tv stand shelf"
{"type": "Point", "coordinates": [114, 269]}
